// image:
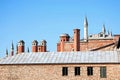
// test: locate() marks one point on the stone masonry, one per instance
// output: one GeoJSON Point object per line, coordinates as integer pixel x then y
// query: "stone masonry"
{"type": "Point", "coordinates": [54, 72]}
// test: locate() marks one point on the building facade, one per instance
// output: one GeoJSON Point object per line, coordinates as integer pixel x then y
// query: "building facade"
{"type": "Point", "coordinates": [93, 65]}
{"type": "Point", "coordinates": [95, 57]}
{"type": "Point", "coordinates": [94, 42]}
{"type": "Point", "coordinates": [20, 48]}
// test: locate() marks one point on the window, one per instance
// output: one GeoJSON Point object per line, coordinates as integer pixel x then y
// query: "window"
{"type": "Point", "coordinates": [77, 71]}
{"type": "Point", "coordinates": [39, 49]}
{"type": "Point", "coordinates": [101, 35]}
{"type": "Point", "coordinates": [118, 43]}
{"type": "Point", "coordinates": [89, 71]}
{"type": "Point", "coordinates": [90, 35]}
{"type": "Point", "coordinates": [103, 72]}
{"type": "Point", "coordinates": [64, 71]}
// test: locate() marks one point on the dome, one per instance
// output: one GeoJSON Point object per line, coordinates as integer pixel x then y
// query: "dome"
{"type": "Point", "coordinates": [64, 34]}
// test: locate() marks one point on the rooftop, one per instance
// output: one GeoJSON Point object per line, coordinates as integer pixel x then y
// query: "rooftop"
{"type": "Point", "coordinates": [64, 34]}
{"type": "Point", "coordinates": [63, 57]}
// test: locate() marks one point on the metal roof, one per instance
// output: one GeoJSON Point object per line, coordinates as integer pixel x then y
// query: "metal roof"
{"type": "Point", "coordinates": [63, 57]}
{"type": "Point", "coordinates": [64, 34]}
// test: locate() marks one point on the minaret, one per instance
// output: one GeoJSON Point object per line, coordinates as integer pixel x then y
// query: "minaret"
{"type": "Point", "coordinates": [111, 33]}
{"type": "Point", "coordinates": [103, 29]}
{"type": "Point", "coordinates": [6, 52]}
{"type": "Point", "coordinates": [85, 29]}
{"type": "Point", "coordinates": [28, 50]}
{"type": "Point", "coordinates": [12, 49]}
{"type": "Point", "coordinates": [16, 49]}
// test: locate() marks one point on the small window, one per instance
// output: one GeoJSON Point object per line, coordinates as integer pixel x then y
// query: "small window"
{"type": "Point", "coordinates": [72, 49]}
{"type": "Point", "coordinates": [77, 71]}
{"type": "Point", "coordinates": [118, 43]}
{"type": "Point", "coordinates": [89, 71]}
{"type": "Point", "coordinates": [103, 72]}
{"type": "Point", "coordinates": [64, 71]}
{"type": "Point", "coordinates": [90, 35]}
{"type": "Point", "coordinates": [101, 35]}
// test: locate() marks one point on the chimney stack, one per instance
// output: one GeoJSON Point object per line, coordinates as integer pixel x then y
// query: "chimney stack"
{"type": "Point", "coordinates": [21, 46]}
{"type": "Point", "coordinates": [35, 46]}
{"type": "Point", "coordinates": [76, 39]}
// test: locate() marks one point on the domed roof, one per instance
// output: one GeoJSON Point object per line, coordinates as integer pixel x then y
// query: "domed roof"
{"type": "Point", "coordinates": [64, 34]}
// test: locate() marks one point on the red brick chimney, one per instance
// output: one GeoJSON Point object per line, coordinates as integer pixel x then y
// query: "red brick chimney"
{"type": "Point", "coordinates": [76, 39]}
{"type": "Point", "coordinates": [63, 38]}
{"type": "Point", "coordinates": [43, 46]}
{"type": "Point", "coordinates": [35, 46]}
{"type": "Point", "coordinates": [21, 46]}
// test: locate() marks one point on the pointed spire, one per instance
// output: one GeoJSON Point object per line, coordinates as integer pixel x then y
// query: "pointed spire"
{"type": "Point", "coordinates": [28, 50]}
{"type": "Point", "coordinates": [12, 49]}
{"type": "Point", "coordinates": [12, 46]}
{"type": "Point", "coordinates": [85, 22]}
{"type": "Point", "coordinates": [16, 49]}
{"type": "Point", "coordinates": [108, 32]}
{"type": "Point", "coordinates": [6, 52]}
{"type": "Point", "coordinates": [85, 29]}
{"type": "Point", "coordinates": [103, 29]}
{"type": "Point", "coordinates": [111, 33]}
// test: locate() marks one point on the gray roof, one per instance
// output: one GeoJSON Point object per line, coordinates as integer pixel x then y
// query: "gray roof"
{"type": "Point", "coordinates": [63, 57]}
{"type": "Point", "coordinates": [64, 34]}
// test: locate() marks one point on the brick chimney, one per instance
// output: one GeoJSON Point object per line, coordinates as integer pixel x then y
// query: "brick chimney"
{"type": "Point", "coordinates": [44, 46]}
{"type": "Point", "coordinates": [63, 38]}
{"type": "Point", "coordinates": [21, 46]}
{"type": "Point", "coordinates": [76, 39]}
{"type": "Point", "coordinates": [35, 46]}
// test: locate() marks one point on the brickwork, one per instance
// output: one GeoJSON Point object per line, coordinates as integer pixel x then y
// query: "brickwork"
{"type": "Point", "coordinates": [97, 45]}
{"type": "Point", "coordinates": [54, 72]}
{"type": "Point", "coordinates": [105, 44]}
{"type": "Point", "coordinates": [76, 40]}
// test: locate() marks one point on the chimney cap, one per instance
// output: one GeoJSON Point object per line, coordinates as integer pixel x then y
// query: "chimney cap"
{"type": "Point", "coordinates": [44, 41]}
{"type": "Point", "coordinates": [21, 41]}
{"type": "Point", "coordinates": [64, 34]}
{"type": "Point", "coordinates": [35, 41]}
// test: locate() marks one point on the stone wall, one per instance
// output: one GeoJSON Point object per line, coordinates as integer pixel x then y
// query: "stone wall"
{"type": "Point", "coordinates": [54, 72]}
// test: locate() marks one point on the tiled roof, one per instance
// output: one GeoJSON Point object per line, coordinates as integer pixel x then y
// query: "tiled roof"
{"type": "Point", "coordinates": [63, 57]}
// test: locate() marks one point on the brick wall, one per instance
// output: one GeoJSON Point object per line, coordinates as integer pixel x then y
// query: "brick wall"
{"type": "Point", "coordinates": [97, 45]}
{"type": "Point", "coordinates": [54, 72]}
{"type": "Point", "coordinates": [104, 45]}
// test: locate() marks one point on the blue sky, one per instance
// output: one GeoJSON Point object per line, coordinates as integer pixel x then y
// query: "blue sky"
{"type": "Point", "coordinates": [30, 20]}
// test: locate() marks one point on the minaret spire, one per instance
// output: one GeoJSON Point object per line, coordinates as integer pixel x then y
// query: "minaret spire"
{"type": "Point", "coordinates": [103, 29]}
{"type": "Point", "coordinates": [12, 49]}
{"type": "Point", "coordinates": [85, 29]}
{"type": "Point", "coordinates": [28, 49]}
{"type": "Point", "coordinates": [6, 52]}
{"type": "Point", "coordinates": [16, 49]}
{"type": "Point", "coordinates": [85, 22]}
